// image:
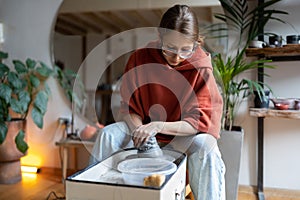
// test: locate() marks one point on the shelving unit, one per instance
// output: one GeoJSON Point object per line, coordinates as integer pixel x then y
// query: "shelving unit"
{"type": "Point", "coordinates": [285, 53]}
{"type": "Point", "coordinates": [263, 112]}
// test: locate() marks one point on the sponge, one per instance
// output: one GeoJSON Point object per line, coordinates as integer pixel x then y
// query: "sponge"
{"type": "Point", "coordinates": [154, 180]}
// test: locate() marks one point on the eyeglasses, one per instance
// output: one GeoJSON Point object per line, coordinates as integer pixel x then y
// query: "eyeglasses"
{"type": "Point", "coordinates": [184, 54]}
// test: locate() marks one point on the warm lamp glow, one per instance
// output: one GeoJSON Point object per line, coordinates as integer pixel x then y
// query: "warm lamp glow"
{"type": "Point", "coordinates": [31, 160]}
{"type": "Point", "coordinates": [29, 169]}
{"type": "Point", "coordinates": [28, 177]}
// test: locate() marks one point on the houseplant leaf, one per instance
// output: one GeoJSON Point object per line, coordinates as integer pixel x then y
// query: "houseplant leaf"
{"type": "Point", "coordinates": [20, 67]}
{"type": "Point", "coordinates": [20, 142]}
{"type": "Point", "coordinates": [30, 63]}
{"type": "Point", "coordinates": [44, 70]}
{"type": "Point", "coordinates": [5, 92]}
{"type": "Point", "coordinates": [21, 104]}
{"type": "Point", "coordinates": [3, 131]}
{"type": "Point", "coordinates": [35, 82]}
{"type": "Point", "coordinates": [4, 111]}
{"type": "Point", "coordinates": [3, 55]}
{"type": "Point", "coordinates": [37, 117]}
{"type": "Point", "coordinates": [24, 99]}
{"type": "Point", "coordinates": [47, 89]}
{"type": "Point", "coordinates": [15, 105]}
{"type": "Point", "coordinates": [14, 80]}
{"type": "Point", "coordinates": [245, 21]}
{"type": "Point", "coordinates": [41, 101]}
{"type": "Point", "coordinates": [4, 69]}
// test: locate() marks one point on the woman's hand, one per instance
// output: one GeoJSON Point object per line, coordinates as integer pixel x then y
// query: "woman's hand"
{"type": "Point", "coordinates": [142, 133]}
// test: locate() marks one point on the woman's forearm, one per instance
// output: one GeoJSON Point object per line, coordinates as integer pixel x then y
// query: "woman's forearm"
{"type": "Point", "coordinates": [133, 121]}
{"type": "Point", "coordinates": [180, 128]}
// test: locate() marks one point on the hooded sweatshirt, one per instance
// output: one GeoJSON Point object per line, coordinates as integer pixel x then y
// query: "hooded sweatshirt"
{"type": "Point", "coordinates": [156, 91]}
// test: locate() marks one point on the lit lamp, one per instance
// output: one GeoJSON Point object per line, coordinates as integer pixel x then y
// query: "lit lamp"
{"type": "Point", "coordinates": [30, 169]}
{"type": "Point", "coordinates": [30, 163]}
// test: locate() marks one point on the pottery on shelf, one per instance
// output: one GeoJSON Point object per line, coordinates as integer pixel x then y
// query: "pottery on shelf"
{"type": "Point", "coordinates": [297, 104]}
{"type": "Point", "coordinates": [282, 103]}
{"type": "Point", "coordinates": [261, 102]}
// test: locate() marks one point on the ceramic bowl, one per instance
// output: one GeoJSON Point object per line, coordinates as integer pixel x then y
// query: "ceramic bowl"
{"type": "Point", "coordinates": [283, 103]}
{"type": "Point", "coordinates": [257, 44]}
{"type": "Point", "coordinates": [297, 104]}
{"type": "Point", "coordinates": [293, 39]}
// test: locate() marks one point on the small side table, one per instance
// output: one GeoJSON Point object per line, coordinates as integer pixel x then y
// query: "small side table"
{"type": "Point", "coordinates": [65, 145]}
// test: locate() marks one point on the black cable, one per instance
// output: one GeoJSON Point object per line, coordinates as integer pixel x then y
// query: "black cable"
{"type": "Point", "coordinates": [55, 195]}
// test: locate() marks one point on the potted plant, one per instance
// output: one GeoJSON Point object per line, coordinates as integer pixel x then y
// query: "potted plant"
{"type": "Point", "coordinates": [22, 90]}
{"type": "Point", "coordinates": [66, 79]}
{"type": "Point", "coordinates": [244, 23]}
{"type": "Point", "coordinates": [233, 88]}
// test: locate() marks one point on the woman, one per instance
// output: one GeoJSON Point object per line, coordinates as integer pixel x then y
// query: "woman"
{"type": "Point", "coordinates": [169, 93]}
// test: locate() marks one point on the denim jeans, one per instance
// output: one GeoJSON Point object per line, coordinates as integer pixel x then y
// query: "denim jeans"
{"type": "Point", "coordinates": [205, 165]}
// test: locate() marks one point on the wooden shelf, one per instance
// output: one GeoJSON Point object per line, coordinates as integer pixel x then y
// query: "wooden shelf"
{"type": "Point", "coordinates": [287, 52]}
{"type": "Point", "coordinates": [74, 143]}
{"type": "Point", "coordinates": [263, 112]}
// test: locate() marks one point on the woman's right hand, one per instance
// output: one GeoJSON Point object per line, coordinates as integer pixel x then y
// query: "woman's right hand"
{"type": "Point", "coordinates": [143, 132]}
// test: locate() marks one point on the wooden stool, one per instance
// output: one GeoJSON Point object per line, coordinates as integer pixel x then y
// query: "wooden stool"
{"type": "Point", "coordinates": [188, 190]}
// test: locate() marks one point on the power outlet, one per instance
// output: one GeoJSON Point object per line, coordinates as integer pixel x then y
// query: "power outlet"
{"type": "Point", "coordinates": [64, 120]}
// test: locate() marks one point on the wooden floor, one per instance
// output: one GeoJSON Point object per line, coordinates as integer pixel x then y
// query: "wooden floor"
{"type": "Point", "coordinates": [47, 185]}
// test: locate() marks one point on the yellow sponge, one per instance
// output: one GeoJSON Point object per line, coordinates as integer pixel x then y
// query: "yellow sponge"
{"type": "Point", "coordinates": [154, 180]}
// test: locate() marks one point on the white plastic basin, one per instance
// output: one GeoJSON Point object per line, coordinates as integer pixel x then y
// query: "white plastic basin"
{"type": "Point", "coordinates": [135, 170]}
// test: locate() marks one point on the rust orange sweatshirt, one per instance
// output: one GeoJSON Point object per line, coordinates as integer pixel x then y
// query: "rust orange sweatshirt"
{"type": "Point", "coordinates": [157, 91]}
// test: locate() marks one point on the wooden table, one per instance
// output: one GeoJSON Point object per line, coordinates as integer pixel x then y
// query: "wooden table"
{"type": "Point", "coordinates": [65, 145]}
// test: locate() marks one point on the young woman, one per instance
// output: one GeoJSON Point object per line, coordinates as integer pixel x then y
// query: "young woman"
{"type": "Point", "coordinates": [169, 93]}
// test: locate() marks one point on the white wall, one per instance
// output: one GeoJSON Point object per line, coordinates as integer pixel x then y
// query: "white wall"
{"type": "Point", "coordinates": [282, 136]}
{"type": "Point", "coordinates": [28, 27]}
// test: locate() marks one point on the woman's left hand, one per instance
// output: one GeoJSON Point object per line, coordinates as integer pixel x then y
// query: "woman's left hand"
{"type": "Point", "coordinates": [142, 133]}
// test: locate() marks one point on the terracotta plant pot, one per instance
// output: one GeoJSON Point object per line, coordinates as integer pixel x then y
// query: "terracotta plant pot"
{"type": "Point", "coordinates": [10, 167]}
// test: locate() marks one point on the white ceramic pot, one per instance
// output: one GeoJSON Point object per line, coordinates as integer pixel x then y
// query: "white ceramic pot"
{"type": "Point", "coordinates": [257, 44]}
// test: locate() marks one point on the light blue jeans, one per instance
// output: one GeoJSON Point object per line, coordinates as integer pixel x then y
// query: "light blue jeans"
{"type": "Point", "coordinates": [205, 165]}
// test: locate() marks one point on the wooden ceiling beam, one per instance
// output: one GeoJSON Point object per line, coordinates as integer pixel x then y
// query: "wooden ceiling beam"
{"type": "Point", "coordinates": [118, 18]}
{"type": "Point", "coordinates": [81, 21]}
{"type": "Point", "coordinates": [64, 30]}
{"type": "Point", "coordinates": [71, 25]}
{"type": "Point", "coordinates": [106, 24]}
{"type": "Point", "coordinates": [110, 5]}
{"type": "Point", "coordinates": [150, 19]}
{"type": "Point", "coordinates": [124, 16]}
{"type": "Point", "coordinates": [112, 22]}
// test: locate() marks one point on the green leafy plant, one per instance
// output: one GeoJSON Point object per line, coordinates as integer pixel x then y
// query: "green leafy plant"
{"type": "Point", "coordinates": [233, 89]}
{"type": "Point", "coordinates": [246, 24]}
{"type": "Point", "coordinates": [66, 79]}
{"type": "Point", "coordinates": [21, 89]}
